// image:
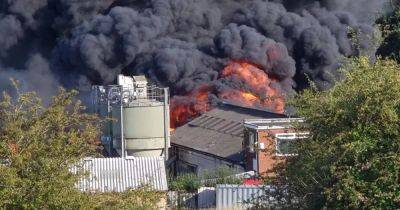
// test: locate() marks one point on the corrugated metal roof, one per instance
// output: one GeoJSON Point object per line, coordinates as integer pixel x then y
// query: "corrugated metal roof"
{"type": "Point", "coordinates": [219, 131]}
{"type": "Point", "coordinates": [120, 174]}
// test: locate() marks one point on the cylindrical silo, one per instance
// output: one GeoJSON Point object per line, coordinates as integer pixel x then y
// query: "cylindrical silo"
{"type": "Point", "coordinates": [144, 128]}
{"type": "Point", "coordinates": [140, 117]}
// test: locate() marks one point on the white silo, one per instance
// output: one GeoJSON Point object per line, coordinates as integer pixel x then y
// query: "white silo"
{"type": "Point", "coordinates": [145, 117]}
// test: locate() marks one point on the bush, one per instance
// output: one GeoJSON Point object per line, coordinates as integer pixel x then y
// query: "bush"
{"type": "Point", "coordinates": [185, 182]}
{"type": "Point", "coordinates": [141, 198]}
{"type": "Point", "coordinates": [223, 175]}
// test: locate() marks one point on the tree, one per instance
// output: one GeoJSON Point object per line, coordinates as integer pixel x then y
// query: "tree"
{"type": "Point", "coordinates": [352, 157]}
{"type": "Point", "coordinates": [37, 147]}
{"type": "Point", "coordinates": [389, 25]}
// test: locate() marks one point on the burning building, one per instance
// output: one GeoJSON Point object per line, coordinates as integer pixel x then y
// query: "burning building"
{"type": "Point", "coordinates": [204, 51]}
{"type": "Point", "coordinates": [254, 53]}
{"type": "Point", "coordinates": [255, 89]}
{"type": "Point", "coordinates": [214, 139]}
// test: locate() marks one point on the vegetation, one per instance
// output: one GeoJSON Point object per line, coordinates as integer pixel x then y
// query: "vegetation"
{"type": "Point", "coordinates": [390, 28]}
{"type": "Point", "coordinates": [352, 159]}
{"type": "Point", "coordinates": [191, 182]}
{"type": "Point", "coordinates": [185, 183]}
{"type": "Point", "coordinates": [141, 198]}
{"type": "Point", "coordinates": [38, 146]}
{"type": "Point", "coordinates": [223, 175]}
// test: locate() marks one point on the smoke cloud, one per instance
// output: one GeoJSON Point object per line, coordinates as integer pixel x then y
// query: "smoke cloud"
{"type": "Point", "coordinates": [35, 76]}
{"type": "Point", "coordinates": [180, 43]}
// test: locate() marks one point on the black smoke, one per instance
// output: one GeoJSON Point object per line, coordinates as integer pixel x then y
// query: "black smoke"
{"type": "Point", "coordinates": [179, 43]}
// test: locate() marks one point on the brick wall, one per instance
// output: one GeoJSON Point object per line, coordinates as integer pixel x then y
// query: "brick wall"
{"type": "Point", "coordinates": [266, 158]}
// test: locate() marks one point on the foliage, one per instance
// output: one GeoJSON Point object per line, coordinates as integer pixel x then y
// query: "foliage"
{"type": "Point", "coordinates": [191, 182]}
{"type": "Point", "coordinates": [185, 182]}
{"type": "Point", "coordinates": [352, 159]}
{"type": "Point", "coordinates": [141, 198]}
{"type": "Point", "coordinates": [38, 146]}
{"type": "Point", "coordinates": [223, 175]}
{"type": "Point", "coordinates": [390, 27]}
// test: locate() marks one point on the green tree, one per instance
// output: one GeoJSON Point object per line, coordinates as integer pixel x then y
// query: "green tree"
{"type": "Point", "coordinates": [37, 147]}
{"type": "Point", "coordinates": [352, 157]}
{"type": "Point", "coordinates": [389, 25]}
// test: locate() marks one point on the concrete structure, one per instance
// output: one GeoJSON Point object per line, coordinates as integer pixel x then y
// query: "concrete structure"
{"type": "Point", "coordinates": [141, 117]}
{"type": "Point", "coordinates": [120, 174]}
{"type": "Point", "coordinates": [214, 139]}
{"type": "Point", "coordinates": [267, 142]}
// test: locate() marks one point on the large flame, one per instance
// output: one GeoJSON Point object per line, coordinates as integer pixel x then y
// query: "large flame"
{"type": "Point", "coordinates": [260, 90]}
{"type": "Point", "coordinates": [185, 108]}
{"type": "Point", "coordinates": [257, 90]}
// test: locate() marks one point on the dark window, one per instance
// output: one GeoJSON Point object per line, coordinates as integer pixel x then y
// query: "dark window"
{"type": "Point", "coordinates": [285, 143]}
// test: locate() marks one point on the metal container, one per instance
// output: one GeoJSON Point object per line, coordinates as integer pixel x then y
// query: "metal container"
{"type": "Point", "coordinates": [144, 129]}
{"type": "Point", "coordinates": [140, 113]}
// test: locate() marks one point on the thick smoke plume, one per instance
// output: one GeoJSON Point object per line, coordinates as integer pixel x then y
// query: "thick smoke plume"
{"type": "Point", "coordinates": [182, 44]}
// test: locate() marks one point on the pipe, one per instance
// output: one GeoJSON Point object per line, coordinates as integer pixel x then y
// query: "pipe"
{"type": "Point", "coordinates": [122, 125]}
{"type": "Point", "coordinates": [166, 122]}
{"type": "Point", "coordinates": [110, 127]}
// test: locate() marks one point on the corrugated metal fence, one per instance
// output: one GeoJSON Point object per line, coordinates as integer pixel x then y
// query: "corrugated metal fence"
{"type": "Point", "coordinates": [240, 196]}
{"type": "Point", "coordinates": [206, 197]}
{"type": "Point", "coordinates": [203, 198]}
{"type": "Point", "coordinates": [120, 174]}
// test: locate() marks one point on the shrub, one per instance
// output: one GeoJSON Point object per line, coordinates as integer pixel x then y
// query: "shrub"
{"type": "Point", "coordinates": [141, 198]}
{"type": "Point", "coordinates": [185, 182]}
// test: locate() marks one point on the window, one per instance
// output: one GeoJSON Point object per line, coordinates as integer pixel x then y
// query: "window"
{"type": "Point", "coordinates": [285, 143]}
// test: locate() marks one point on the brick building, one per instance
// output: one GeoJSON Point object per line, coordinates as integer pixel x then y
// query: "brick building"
{"type": "Point", "coordinates": [268, 142]}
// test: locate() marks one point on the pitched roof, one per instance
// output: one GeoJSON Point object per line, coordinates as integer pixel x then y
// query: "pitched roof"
{"type": "Point", "coordinates": [219, 131]}
{"type": "Point", "coordinates": [120, 174]}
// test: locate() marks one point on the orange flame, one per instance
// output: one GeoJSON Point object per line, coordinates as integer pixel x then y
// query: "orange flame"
{"type": "Point", "coordinates": [259, 91]}
{"type": "Point", "coordinates": [249, 96]}
{"type": "Point", "coordinates": [185, 108]}
{"type": "Point", "coordinates": [265, 93]}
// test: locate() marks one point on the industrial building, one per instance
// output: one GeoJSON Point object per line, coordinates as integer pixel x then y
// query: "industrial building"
{"type": "Point", "coordinates": [140, 117]}
{"type": "Point", "coordinates": [214, 139]}
{"type": "Point", "coordinates": [138, 138]}
{"type": "Point", "coordinates": [135, 137]}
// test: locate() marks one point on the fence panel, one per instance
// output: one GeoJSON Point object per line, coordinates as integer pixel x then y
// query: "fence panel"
{"type": "Point", "coordinates": [237, 196]}
{"type": "Point", "coordinates": [206, 197]}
